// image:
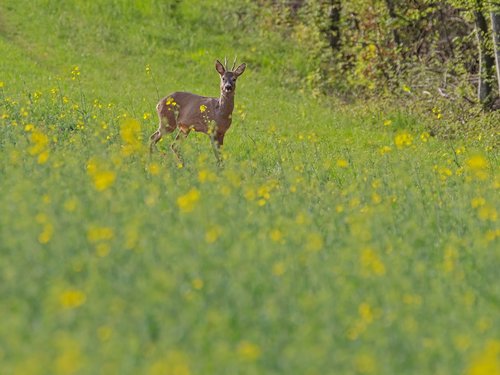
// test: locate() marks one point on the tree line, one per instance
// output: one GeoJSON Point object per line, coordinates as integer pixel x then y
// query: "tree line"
{"type": "Point", "coordinates": [452, 46]}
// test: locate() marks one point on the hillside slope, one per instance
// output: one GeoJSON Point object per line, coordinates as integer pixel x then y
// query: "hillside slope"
{"type": "Point", "coordinates": [336, 238]}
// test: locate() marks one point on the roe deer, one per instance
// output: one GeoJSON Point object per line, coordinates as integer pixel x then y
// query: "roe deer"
{"type": "Point", "coordinates": [186, 111]}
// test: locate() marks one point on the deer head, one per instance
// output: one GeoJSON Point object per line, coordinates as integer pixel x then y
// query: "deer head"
{"type": "Point", "coordinates": [228, 77]}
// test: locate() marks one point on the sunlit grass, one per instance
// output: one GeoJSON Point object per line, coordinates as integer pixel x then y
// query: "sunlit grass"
{"type": "Point", "coordinates": [334, 239]}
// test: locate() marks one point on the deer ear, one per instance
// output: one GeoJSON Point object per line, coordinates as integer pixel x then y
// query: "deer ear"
{"type": "Point", "coordinates": [219, 67]}
{"type": "Point", "coordinates": [240, 69]}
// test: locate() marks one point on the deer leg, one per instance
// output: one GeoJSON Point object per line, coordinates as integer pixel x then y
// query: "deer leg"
{"type": "Point", "coordinates": [217, 141]}
{"type": "Point", "coordinates": [167, 125]}
{"type": "Point", "coordinates": [174, 147]}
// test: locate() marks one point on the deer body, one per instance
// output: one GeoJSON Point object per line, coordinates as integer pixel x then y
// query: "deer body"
{"type": "Point", "coordinates": [186, 111]}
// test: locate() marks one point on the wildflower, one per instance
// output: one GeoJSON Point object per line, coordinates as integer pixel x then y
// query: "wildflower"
{"type": "Point", "coordinates": [376, 198]}
{"type": "Point", "coordinates": [477, 165]}
{"type": "Point", "coordinates": [71, 204]}
{"type": "Point", "coordinates": [130, 133]}
{"type": "Point", "coordinates": [154, 169]}
{"type": "Point", "coordinates": [1, 84]}
{"type": "Point", "coordinates": [342, 163]}
{"type": "Point", "coordinates": [403, 139]}
{"type": "Point", "coordinates": [487, 212]}
{"type": "Point", "coordinates": [43, 157]}
{"type": "Point", "coordinates": [424, 137]}
{"type": "Point", "coordinates": [365, 364]}
{"type": "Point", "coordinates": [371, 263]}
{"type": "Point", "coordinates": [102, 249]}
{"type": "Point", "coordinates": [387, 122]}
{"type": "Point", "coordinates": [314, 242]}
{"type": "Point", "coordinates": [39, 140]}
{"type": "Point", "coordinates": [276, 235]}
{"type": "Point", "coordinates": [213, 234]}
{"type": "Point", "coordinates": [175, 362]}
{"type": "Point", "coordinates": [170, 101]}
{"type": "Point", "coordinates": [148, 69]}
{"type": "Point", "coordinates": [96, 234]}
{"type": "Point", "coordinates": [75, 73]}
{"type": "Point", "coordinates": [203, 108]}
{"type": "Point", "coordinates": [72, 298]}
{"type": "Point", "coordinates": [450, 258]}
{"type": "Point", "coordinates": [186, 202]}
{"type": "Point", "coordinates": [477, 202]}
{"type": "Point", "coordinates": [197, 284]}
{"type": "Point", "coordinates": [46, 234]}
{"type": "Point", "coordinates": [69, 358]}
{"type": "Point", "coordinates": [488, 361]}
{"type": "Point", "coordinates": [384, 150]}
{"type": "Point", "coordinates": [146, 116]}
{"type": "Point", "coordinates": [444, 173]}
{"type": "Point", "coordinates": [477, 162]}
{"type": "Point", "coordinates": [248, 351]}
{"type": "Point", "coordinates": [205, 175]}
{"type": "Point", "coordinates": [103, 179]}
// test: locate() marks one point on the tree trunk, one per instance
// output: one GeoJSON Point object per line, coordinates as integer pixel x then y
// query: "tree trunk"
{"type": "Point", "coordinates": [393, 15]}
{"type": "Point", "coordinates": [334, 24]}
{"type": "Point", "coordinates": [495, 27]}
{"type": "Point", "coordinates": [486, 59]}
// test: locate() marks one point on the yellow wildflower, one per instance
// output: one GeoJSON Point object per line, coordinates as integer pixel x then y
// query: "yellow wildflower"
{"type": "Point", "coordinates": [154, 169]}
{"type": "Point", "coordinates": [203, 108]}
{"type": "Point", "coordinates": [365, 364]}
{"type": "Point", "coordinates": [46, 234]}
{"type": "Point", "coordinates": [130, 133]}
{"type": "Point", "coordinates": [487, 212]}
{"type": "Point", "coordinates": [72, 298]}
{"type": "Point", "coordinates": [43, 157]}
{"type": "Point", "coordinates": [186, 202]}
{"type": "Point", "coordinates": [488, 361]}
{"type": "Point", "coordinates": [403, 139]}
{"type": "Point", "coordinates": [477, 162]}
{"type": "Point", "coordinates": [342, 163]}
{"type": "Point", "coordinates": [314, 242]}
{"type": "Point", "coordinates": [477, 202]}
{"type": "Point", "coordinates": [213, 234]}
{"type": "Point", "coordinates": [75, 73]}
{"type": "Point", "coordinates": [384, 150]}
{"type": "Point", "coordinates": [96, 234]}
{"type": "Point", "coordinates": [103, 180]}
{"type": "Point", "coordinates": [371, 263]}
{"type": "Point", "coordinates": [39, 141]}
{"type": "Point", "coordinates": [197, 284]}
{"type": "Point", "coordinates": [248, 351]}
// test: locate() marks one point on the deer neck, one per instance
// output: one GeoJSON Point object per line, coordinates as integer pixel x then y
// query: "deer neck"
{"type": "Point", "coordinates": [226, 104]}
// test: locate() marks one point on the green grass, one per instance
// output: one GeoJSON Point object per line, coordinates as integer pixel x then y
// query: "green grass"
{"type": "Point", "coordinates": [328, 242]}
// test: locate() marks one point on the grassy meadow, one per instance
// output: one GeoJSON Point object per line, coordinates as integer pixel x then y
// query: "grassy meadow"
{"type": "Point", "coordinates": [336, 239]}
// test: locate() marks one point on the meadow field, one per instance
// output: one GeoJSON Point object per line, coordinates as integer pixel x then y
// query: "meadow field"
{"type": "Point", "coordinates": [336, 238]}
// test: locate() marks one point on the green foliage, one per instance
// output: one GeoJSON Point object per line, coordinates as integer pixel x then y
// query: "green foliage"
{"type": "Point", "coordinates": [336, 238]}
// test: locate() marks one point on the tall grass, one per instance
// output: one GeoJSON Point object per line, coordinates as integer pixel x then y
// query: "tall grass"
{"type": "Point", "coordinates": [334, 239]}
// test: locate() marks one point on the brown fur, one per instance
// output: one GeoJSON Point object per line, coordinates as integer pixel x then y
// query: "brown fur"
{"type": "Point", "coordinates": [186, 111]}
